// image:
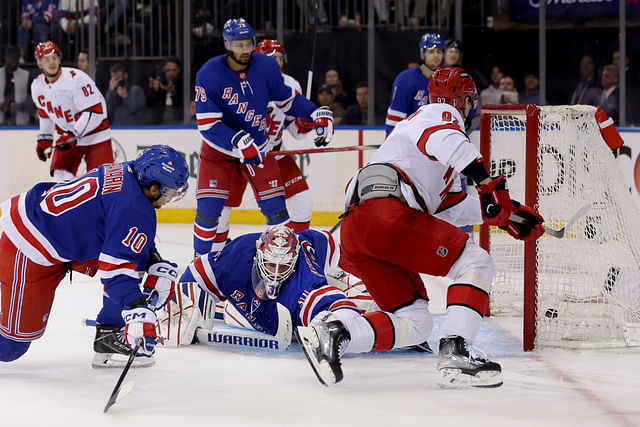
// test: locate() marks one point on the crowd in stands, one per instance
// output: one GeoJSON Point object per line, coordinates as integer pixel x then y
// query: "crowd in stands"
{"type": "Point", "coordinates": [161, 100]}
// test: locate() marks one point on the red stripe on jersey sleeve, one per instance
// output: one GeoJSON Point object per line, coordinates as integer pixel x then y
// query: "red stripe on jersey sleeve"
{"type": "Point", "coordinates": [469, 296]}
{"type": "Point", "coordinates": [209, 120]}
{"type": "Point", "coordinates": [197, 263]}
{"type": "Point", "coordinates": [422, 142]}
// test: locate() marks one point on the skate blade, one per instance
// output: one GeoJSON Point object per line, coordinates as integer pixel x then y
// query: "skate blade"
{"type": "Point", "coordinates": [114, 360]}
{"type": "Point", "coordinates": [454, 378]}
{"type": "Point", "coordinates": [309, 343]}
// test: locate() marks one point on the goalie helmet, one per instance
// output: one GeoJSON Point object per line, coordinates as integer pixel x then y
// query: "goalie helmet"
{"type": "Point", "coordinates": [46, 48]}
{"type": "Point", "coordinates": [164, 165]}
{"type": "Point", "coordinates": [430, 41]}
{"type": "Point", "coordinates": [237, 29]}
{"type": "Point", "coordinates": [451, 85]}
{"type": "Point", "coordinates": [277, 252]}
{"type": "Point", "coordinates": [269, 47]}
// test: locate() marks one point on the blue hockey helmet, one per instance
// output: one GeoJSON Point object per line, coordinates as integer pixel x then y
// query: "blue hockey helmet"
{"type": "Point", "coordinates": [430, 41]}
{"type": "Point", "coordinates": [164, 165]}
{"type": "Point", "coordinates": [237, 29]}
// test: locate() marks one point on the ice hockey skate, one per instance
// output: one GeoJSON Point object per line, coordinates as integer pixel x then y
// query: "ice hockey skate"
{"type": "Point", "coordinates": [461, 366]}
{"type": "Point", "coordinates": [111, 351]}
{"type": "Point", "coordinates": [323, 344]}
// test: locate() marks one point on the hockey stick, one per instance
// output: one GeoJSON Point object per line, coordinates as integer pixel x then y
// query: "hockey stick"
{"type": "Point", "coordinates": [323, 150]}
{"type": "Point", "coordinates": [558, 234]}
{"type": "Point", "coordinates": [313, 49]}
{"type": "Point", "coordinates": [128, 386]}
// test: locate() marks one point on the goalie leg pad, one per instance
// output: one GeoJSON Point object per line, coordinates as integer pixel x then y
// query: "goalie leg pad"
{"type": "Point", "coordinates": [178, 322]}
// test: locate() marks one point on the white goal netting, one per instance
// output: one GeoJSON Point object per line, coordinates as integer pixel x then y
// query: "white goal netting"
{"type": "Point", "coordinates": [588, 292]}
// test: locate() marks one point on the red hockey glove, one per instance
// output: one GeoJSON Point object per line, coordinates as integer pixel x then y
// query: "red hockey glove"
{"type": "Point", "coordinates": [43, 147]}
{"type": "Point", "coordinates": [159, 286]}
{"type": "Point", "coordinates": [66, 141]}
{"type": "Point", "coordinates": [525, 223]}
{"type": "Point", "coordinates": [495, 201]}
{"type": "Point", "coordinates": [323, 123]}
{"type": "Point", "coordinates": [140, 324]}
{"type": "Point", "coordinates": [249, 153]}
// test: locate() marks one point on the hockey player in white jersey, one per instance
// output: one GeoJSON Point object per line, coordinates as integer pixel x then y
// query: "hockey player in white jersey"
{"type": "Point", "coordinates": [296, 190]}
{"type": "Point", "coordinates": [402, 214]}
{"type": "Point", "coordinates": [72, 113]}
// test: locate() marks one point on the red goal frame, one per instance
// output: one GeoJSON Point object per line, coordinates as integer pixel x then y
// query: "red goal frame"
{"type": "Point", "coordinates": [532, 114]}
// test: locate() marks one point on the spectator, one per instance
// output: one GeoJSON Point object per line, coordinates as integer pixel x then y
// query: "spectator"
{"type": "Point", "coordinates": [326, 99]}
{"type": "Point", "coordinates": [82, 61]}
{"type": "Point", "coordinates": [73, 14]}
{"type": "Point", "coordinates": [508, 92]}
{"type": "Point", "coordinates": [492, 94]}
{"type": "Point", "coordinates": [453, 53]}
{"type": "Point", "coordinates": [357, 114]}
{"type": "Point", "coordinates": [332, 78]}
{"type": "Point", "coordinates": [165, 97]}
{"type": "Point", "coordinates": [343, 7]}
{"type": "Point", "coordinates": [531, 92]}
{"type": "Point", "coordinates": [413, 64]}
{"type": "Point", "coordinates": [15, 94]}
{"type": "Point", "coordinates": [587, 90]}
{"type": "Point", "coordinates": [119, 8]}
{"type": "Point", "coordinates": [610, 95]}
{"type": "Point", "coordinates": [35, 17]}
{"type": "Point", "coordinates": [125, 102]}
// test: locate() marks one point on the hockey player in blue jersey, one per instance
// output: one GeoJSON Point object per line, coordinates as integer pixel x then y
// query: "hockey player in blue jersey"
{"type": "Point", "coordinates": [106, 215]}
{"type": "Point", "coordinates": [232, 92]}
{"type": "Point", "coordinates": [411, 87]}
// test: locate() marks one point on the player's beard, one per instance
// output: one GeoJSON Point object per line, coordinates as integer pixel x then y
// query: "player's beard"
{"type": "Point", "coordinates": [238, 61]}
{"type": "Point", "coordinates": [431, 68]}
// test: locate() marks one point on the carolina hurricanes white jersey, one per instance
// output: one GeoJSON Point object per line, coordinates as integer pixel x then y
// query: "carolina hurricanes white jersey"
{"type": "Point", "coordinates": [278, 119]}
{"type": "Point", "coordinates": [71, 103]}
{"type": "Point", "coordinates": [429, 148]}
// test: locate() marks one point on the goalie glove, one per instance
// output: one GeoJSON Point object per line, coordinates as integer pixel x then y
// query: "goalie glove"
{"type": "Point", "coordinates": [66, 141]}
{"type": "Point", "coordinates": [525, 223]}
{"type": "Point", "coordinates": [159, 286]}
{"type": "Point", "coordinates": [140, 324]}
{"type": "Point", "coordinates": [43, 147]}
{"type": "Point", "coordinates": [323, 124]}
{"type": "Point", "coordinates": [247, 148]}
{"type": "Point", "coordinates": [495, 201]}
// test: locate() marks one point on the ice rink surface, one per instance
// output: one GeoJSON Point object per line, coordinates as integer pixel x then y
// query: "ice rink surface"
{"type": "Point", "coordinates": [53, 384]}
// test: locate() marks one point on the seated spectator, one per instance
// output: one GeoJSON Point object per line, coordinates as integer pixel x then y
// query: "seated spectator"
{"type": "Point", "coordinates": [492, 94]}
{"type": "Point", "coordinates": [35, 23]}
{"type": "Point", "coordinates": [357, 114]}
{"type": "Point", "coordinates": [531, 92]}
{"type": "Point", "coordinates": [16, 106]}
{"type": "Point", "coordinates": [125, 102]}
{"type": "Point", "coordinates": [73, 14]}
{"type": "Point", "coordinates": [82, 61]}
{"type": "Point", "coordinates": [587, 91]}
{"type": "Point", "coordinates": [508, 92]}
{"type": "Point", "coordinates": [610, 95]}
{"type": "Point", "coordinates": [332, 79]}
{"type": "Point", "coordinates": [326, 99]}
{"type": "Point", "coordinates": [165, 98]}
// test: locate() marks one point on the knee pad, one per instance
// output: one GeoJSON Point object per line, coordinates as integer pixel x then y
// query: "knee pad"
{"type": "Point", "coordinates": [475, 267]}
{"type": "Point", "coordinates": [300, 206]}
{"type": "Point", "coordinates": [274, 210]}
{"type": "Point", "coordinates": [11, 350]}
{"type": "Point", "coordinates": [209, 207]}
{"type": "Point", "coordinates": [418, 320]}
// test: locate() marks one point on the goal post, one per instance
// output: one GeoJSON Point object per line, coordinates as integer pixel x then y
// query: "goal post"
{"type": "Point", "coordinates": [582, 290]}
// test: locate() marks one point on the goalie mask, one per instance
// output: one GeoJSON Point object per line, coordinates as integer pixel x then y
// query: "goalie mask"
{"type": "Point", "coordinates": [277, 251]}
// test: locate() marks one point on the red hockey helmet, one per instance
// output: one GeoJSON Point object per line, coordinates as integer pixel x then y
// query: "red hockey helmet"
{"type": "Point", "coordinates": [46, 48]}
{"type": "Point", "coordinates": [451, 85]}
{"type": "Point", "coordinates": [269, 47]}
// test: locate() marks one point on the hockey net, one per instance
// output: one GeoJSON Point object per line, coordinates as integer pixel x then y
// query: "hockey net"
{"type": "Point", "coordinates": [582, 290]}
